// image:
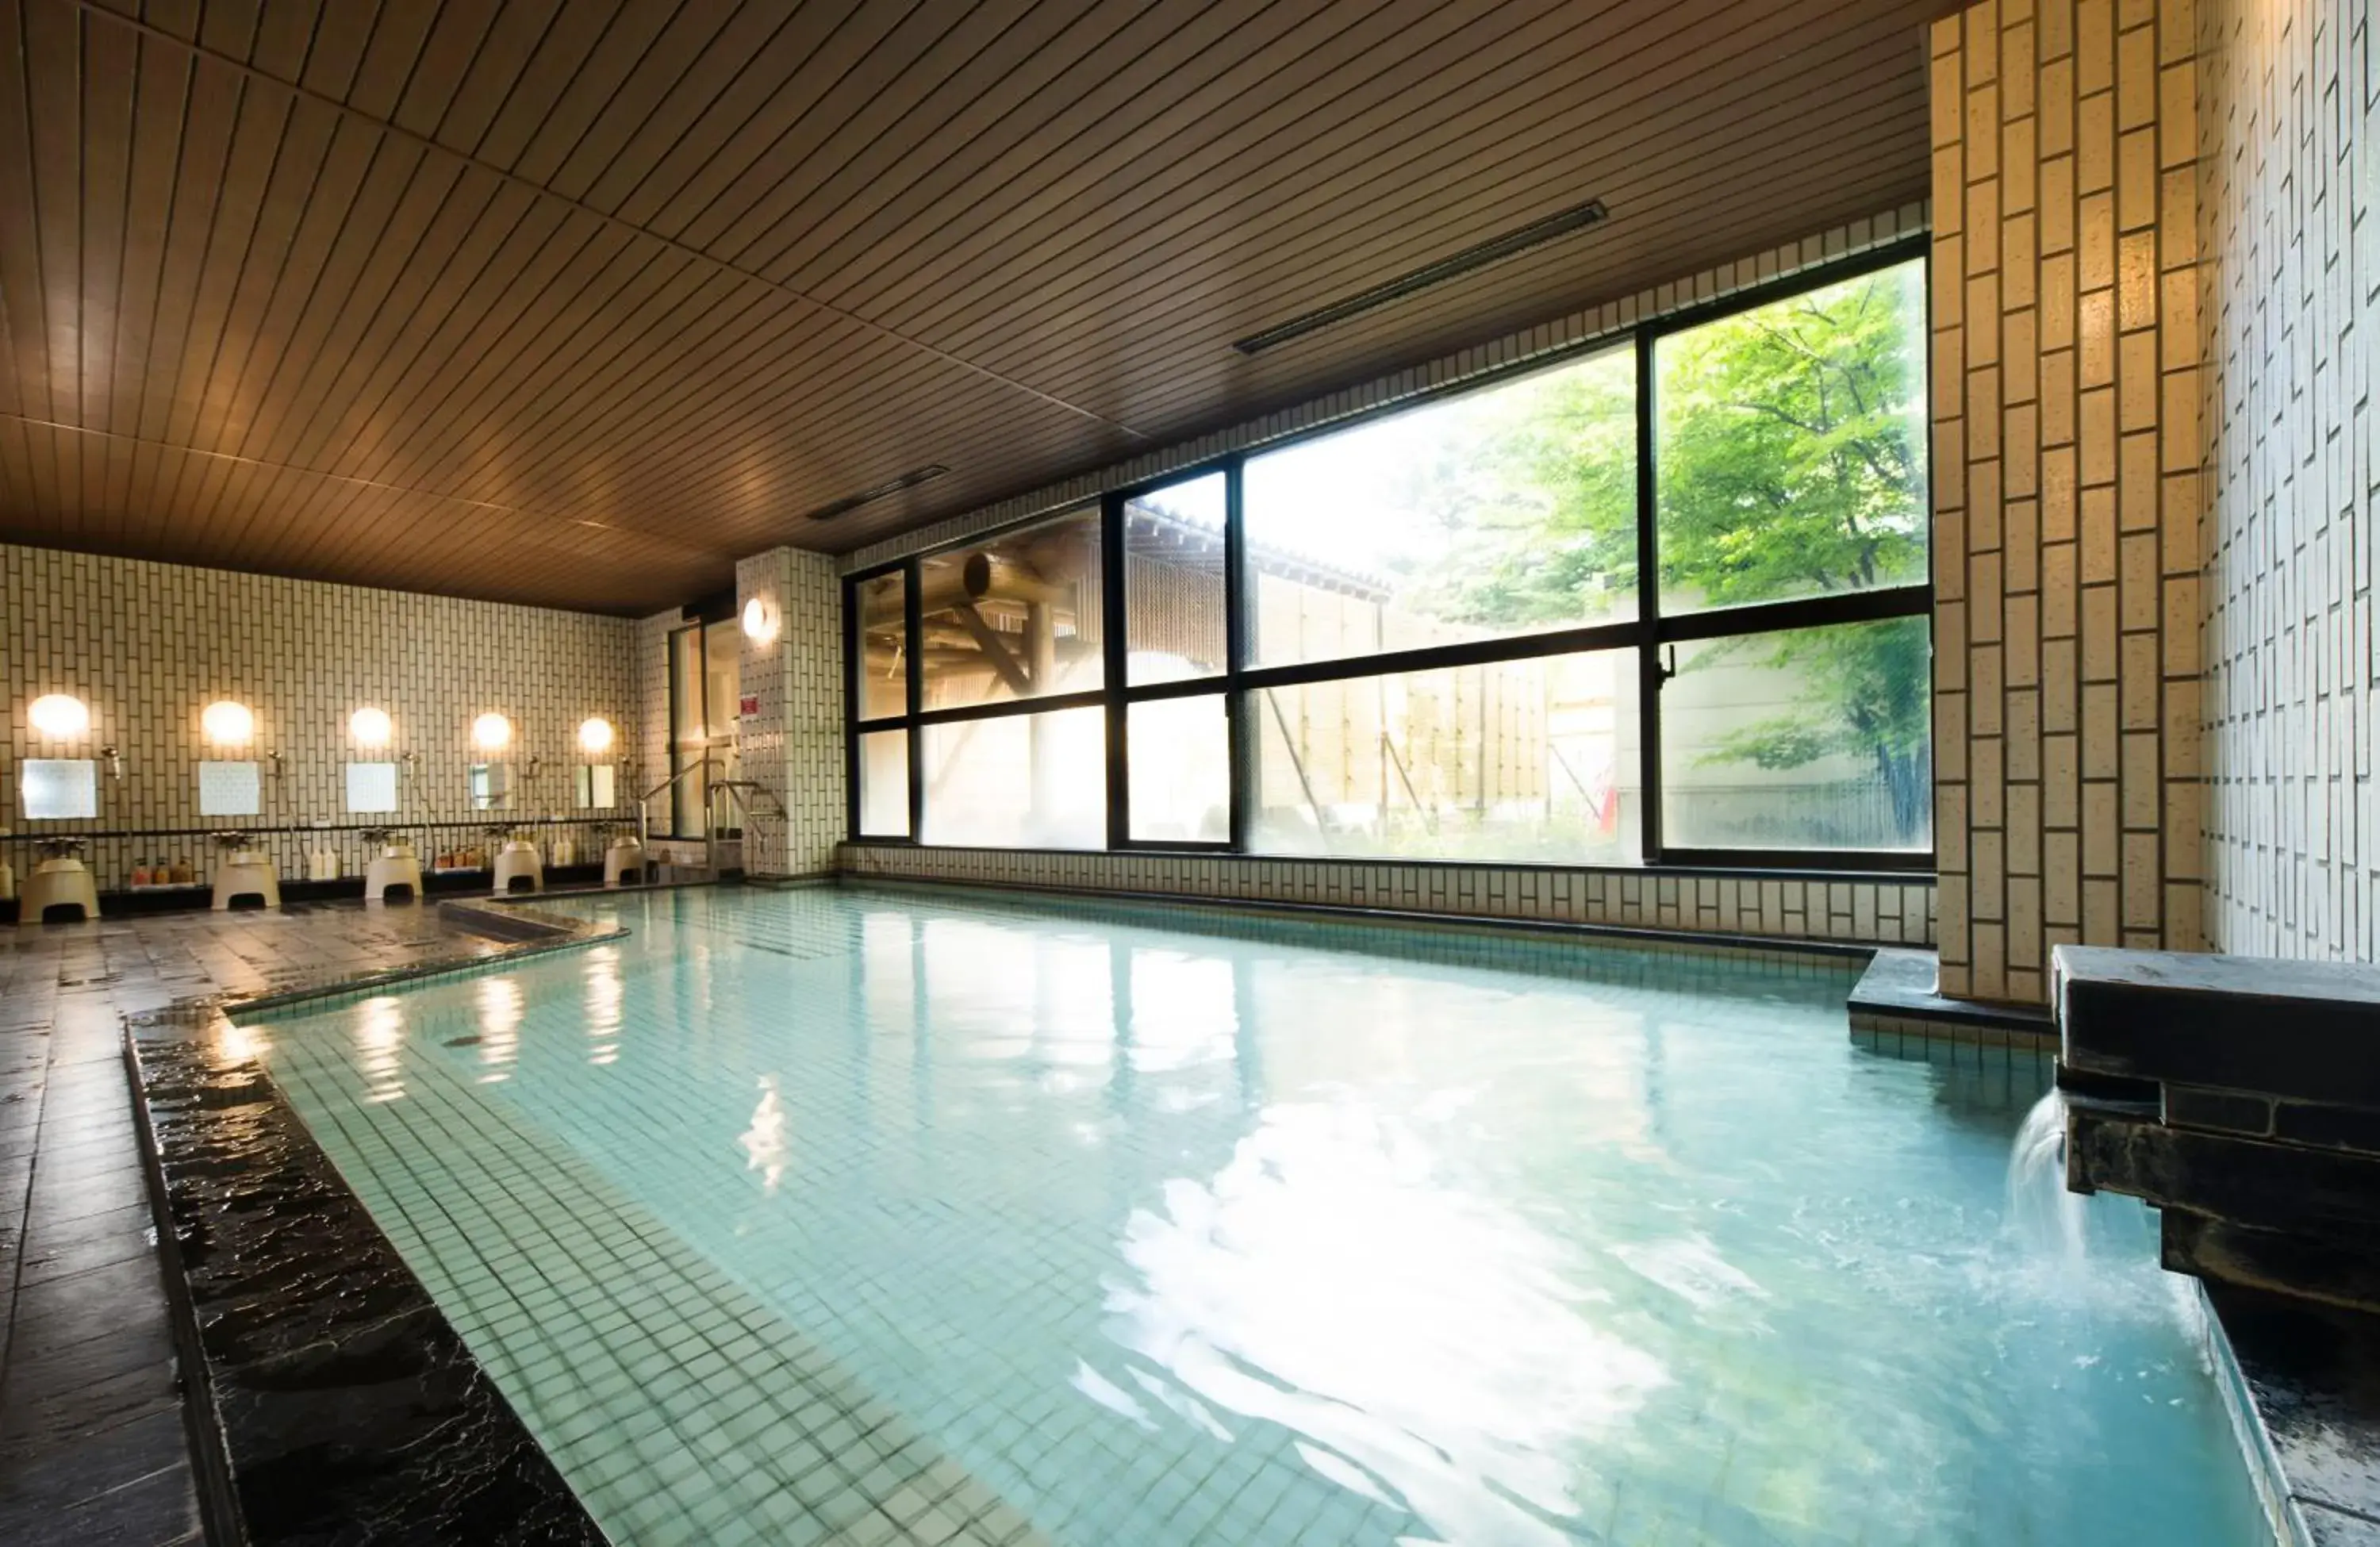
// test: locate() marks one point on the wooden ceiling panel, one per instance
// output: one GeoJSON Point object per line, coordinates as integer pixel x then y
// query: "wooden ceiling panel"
{"type": "Point", "coordinates": [1399, 211]}
{"type": "Point", "coordinates": [739, 167]}
{"type": "Point", "coordinates": [573, 301]}
{"type": "Point", "coordinates": [1114, 197]}
{"type": "Point", "coordinates": [1661, 241]}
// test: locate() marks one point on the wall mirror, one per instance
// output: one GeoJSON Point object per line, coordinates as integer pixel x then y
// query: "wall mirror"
{"type": "Point", "coordinates": [597, 787]}
{"type": "Point", "coordinates": [58, 789]}
{"type": "Point", "coordinates": [230, 789]}
{"type": "Point", "coordinates": [491, 785]}
{"type": "Point", "coordinates": [371, 786]}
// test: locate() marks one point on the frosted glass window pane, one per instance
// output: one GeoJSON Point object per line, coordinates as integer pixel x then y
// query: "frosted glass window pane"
{"type": "Point", "coordinates": [1173, 581]}
{"type": "Point", "coordinates": [229, 789]}
{"type": "Point", "coordinates": [1017, 616]}
{"type": "Point", "coordinates": [1803, 738]}
{"type": "Point", "coordinates": [371, 786]}
{"type": "Point", "coordinates": [59, 789]}
{"type": "Point", "coordinates": [884, 657]}
{"type": "Point", "coordinates": [723, 664]}
{"type": "Point", "coordinates": [885, 785]}
{"type": "Point", "coordinates": [1526, 760]}
{"type": "Point", "coordinates": [1181, 763]}
{"type": "Point", "coordinates": [1024, 781]}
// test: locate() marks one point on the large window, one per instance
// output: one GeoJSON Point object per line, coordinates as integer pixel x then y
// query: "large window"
{"type": "Point", "coordinates": [1665, 601]}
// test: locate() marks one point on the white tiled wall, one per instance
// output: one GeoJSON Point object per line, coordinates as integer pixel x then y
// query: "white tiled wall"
{"type": "Point", "coordinates": [794, 744]}
{"type": "Point", "coordinates": [2288, 117]}
{"type": "Point", "coordinates": [148, 646]}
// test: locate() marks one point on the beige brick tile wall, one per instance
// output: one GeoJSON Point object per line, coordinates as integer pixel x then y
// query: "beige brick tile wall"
{"type": "Point", "coordinates": [2067, 485]}
{"type": "Point", "coordinates": [2289, 112]}
{"type": "Point", "coordinates": [148, 646]}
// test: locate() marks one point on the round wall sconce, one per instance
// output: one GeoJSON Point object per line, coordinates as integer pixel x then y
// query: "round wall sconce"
{"type": "Point", "coordinates": [227, 724]}
{"type": "Point", "coordinates": [59, 716]}
{"type": "Point", "coordinates": [760, 620]}
{"type": "Point", "coordinates": [595, 736]}
{"type": "Point", "coordinates": [371, 727]}
{"type": "Point", "coordinates": [492, 733]}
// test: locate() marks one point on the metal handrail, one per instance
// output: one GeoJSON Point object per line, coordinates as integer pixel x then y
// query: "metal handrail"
{"type": "Point", "coordinates": [645, 801]}
{"type": "Point", "coordinates": [702, 762]}
{"type": "Point", "coordinates": [733, 786]}
{"type": "Point", "coordinates": [710, 792]}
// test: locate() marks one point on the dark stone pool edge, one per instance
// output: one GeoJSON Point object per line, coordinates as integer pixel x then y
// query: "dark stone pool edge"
{"type": "Point", "coordinates": [2296, 1379]}
{"type": "Point", "coordinates": [327, 1393]}
{"type": "Point", "coordinates": [209, 1462]}
{"type": "Point", "coordinates": [346, 1245]}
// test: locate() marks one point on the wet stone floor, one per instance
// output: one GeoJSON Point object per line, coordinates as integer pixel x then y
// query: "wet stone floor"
{"type": "Point", "coordinates": [92, 1445]}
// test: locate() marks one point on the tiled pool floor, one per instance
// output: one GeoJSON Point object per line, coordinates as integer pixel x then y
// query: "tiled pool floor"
{"type": "Point", "coordinates": [826, 1217]}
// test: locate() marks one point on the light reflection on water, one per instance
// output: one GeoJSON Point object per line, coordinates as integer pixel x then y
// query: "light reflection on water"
{"type": "Point", "coordinates": [605, 995]}
{"type": "Point", "coordinates": [380, 1046]}
{"type": "Point", "coordinates": [764, 1141]}
{"type": "Point", "coordinates": [1425, 1343]}
{"type": "Point", "coordinates": [1138, 1224]}
{"type": "Point", "coordinates": [500, 1005]}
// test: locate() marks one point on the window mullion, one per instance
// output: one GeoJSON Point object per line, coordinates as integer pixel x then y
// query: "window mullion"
{"type": "Point", "coordinates": [854, 652]}
{"type": "Point", "coordinates": [1238, 643]}
{"type": "Point", "coordinates": [1650, 673]}
{"type": "Point", "coordinates": [913, 633]}
{"type": "Point", "coordinates": [1114, 649]}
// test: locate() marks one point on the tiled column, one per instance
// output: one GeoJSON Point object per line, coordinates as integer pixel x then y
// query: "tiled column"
{"type": "Point", "coordinates": [791, 741]}
{"type": "Point", "coordinates": [2066, 456]}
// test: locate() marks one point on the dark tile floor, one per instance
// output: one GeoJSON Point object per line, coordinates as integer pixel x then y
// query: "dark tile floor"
{"type": "Point", "coordinates": [93, 1447]}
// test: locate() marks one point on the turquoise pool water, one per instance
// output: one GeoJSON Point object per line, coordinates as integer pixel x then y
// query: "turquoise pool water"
{"type": "Point", "coordinates": [840, 1216]}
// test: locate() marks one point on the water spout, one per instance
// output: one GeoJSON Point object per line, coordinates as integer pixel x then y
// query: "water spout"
{"type": "Point", "coordinates": [2048, 1220]}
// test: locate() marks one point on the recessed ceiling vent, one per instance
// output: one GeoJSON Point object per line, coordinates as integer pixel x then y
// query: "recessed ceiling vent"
{"type": "Point", "coordinates": [1496, 249]}
{"type": "Point", "coordinates": [849, 503]}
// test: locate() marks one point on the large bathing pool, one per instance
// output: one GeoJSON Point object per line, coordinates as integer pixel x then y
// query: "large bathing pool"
{"type": "Point", "coordinates": [841, 1216]}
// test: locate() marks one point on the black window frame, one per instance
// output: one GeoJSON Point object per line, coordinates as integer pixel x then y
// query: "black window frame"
{"type": "Point", "coordinates": [1650, 633]}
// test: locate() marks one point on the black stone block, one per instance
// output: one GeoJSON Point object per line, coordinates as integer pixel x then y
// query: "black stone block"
{"type": "Point", "coordinates": [2305, 1031]}
{"type": "Point", "coordinates": [2343, 1127]}
{"type": "Point", "coordinates": [2195, 1106]}
{"type": "Point", "coordinates": [2252, 1181]}
{"type": "Point", "coordinates": [2336, 1270]}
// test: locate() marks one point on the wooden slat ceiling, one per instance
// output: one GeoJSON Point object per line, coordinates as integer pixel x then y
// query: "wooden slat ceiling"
{"type": "Point", "coordinates": [572, 301]}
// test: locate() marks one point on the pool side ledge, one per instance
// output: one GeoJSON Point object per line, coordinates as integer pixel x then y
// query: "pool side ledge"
{"type": "Point", "coordinates": [1900, 995]}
